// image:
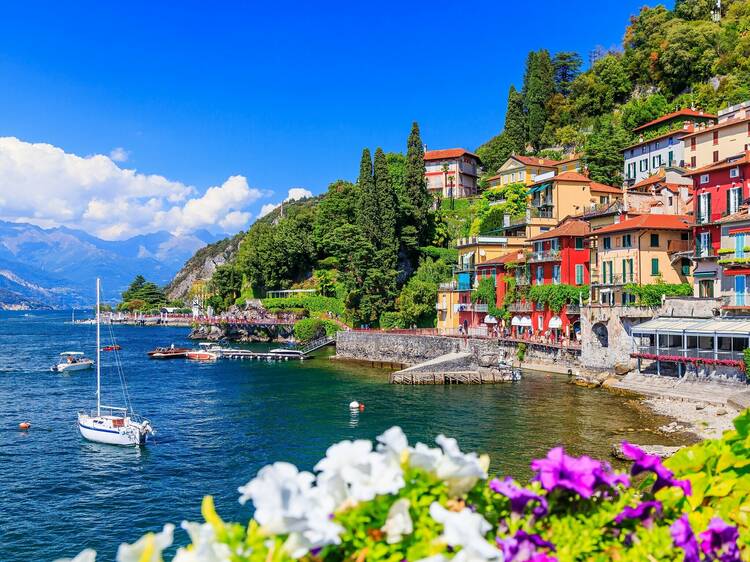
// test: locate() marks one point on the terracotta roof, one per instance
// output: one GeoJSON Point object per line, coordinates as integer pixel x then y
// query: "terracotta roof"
{"type": "Point", "coordinates": [651, 180]}
{"type": "Point", "coordinates": [511, 257]}
{"type": "Point", "coordinates": [729, 162]}
{"type": "Point", "coordinates": [717, 126]}
{"type": "Point", "coordinates": [602, 188]}
{"type": "Point", "coordinates": [569, 158]}
{"type": "Point", "coordinates": [534, 161]}
{"type": "Point", "coordinates": [570, 175]}
{"type": "Point", "coordinates": [447, 153]}
{"type": "Point", "coordinates": [648, 222]}
{"type": "Point", "coordinates": [740, 216]}
{"type": "Point", "coordinates": [573, 227]}
{"type": "Point", "coordinates": [673, 115]}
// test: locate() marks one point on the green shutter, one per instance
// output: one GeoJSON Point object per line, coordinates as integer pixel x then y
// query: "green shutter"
{"type": "Point", "coordinates": [654, 266]}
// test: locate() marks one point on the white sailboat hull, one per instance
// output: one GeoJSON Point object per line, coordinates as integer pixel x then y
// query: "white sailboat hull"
{"type": "Point", "coordinates": [113, 430]}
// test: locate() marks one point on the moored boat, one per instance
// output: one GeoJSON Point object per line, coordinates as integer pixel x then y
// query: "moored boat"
{"type": "Point", "coordinates": [72, 361]}
{"type": "Point", "coordinates": [112, 425]}
{"type": "Point", "coordinates": [111, 348]}
{"type": "Point", "coordinates": [170, 352]}
{"type": "Point", "coordinates": [205, 352]}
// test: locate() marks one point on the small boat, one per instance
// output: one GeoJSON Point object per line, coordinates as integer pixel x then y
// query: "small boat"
{"type": "Point", "coordinates": [170, 352]}
{"type": "Point", "coordinates": [115, 347]}
{"type": "Point", "coordinates": [205, 352]}
{"type": "Point", "coordinates": [287, 351]}
{"type": "Point", "coordinates": [110, 424]}
{"type": "Point", "coordinates": [72, 361]}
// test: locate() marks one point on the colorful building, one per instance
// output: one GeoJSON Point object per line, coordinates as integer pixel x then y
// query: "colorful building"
{"type": "Point", "coordinates": [644, 249]}
{"type": "Point", "coordinates": [452, 172]}
{"type": "Point", "coordinates": [667, 192]}
{"type": "Point", "coordinates": [660, 144]}
{"type": "Point", "coordinates": [524, 169]}
{"type": "Point", "coordinates": [734, 261]}
{"type": "Point", "coordinates": [719, 190]}
{"type": "Point", "coordinates": [711, 143]}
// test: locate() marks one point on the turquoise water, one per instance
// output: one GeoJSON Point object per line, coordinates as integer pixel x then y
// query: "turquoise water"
{"type": "Point", "coordinates": [219, 423]}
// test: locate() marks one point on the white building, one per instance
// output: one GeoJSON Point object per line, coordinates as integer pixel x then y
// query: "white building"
{"type": "Point", "coordinates": [452, 172]}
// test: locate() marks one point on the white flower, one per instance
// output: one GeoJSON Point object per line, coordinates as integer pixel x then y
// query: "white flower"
{"type": "Point", "coordinates": [459, 470]}
{"type": "Point", "coordinates": [279, 493]}
{"type": "Point", "coordinates": [148, 548]}
{"type": "Point", "coordinates": [204, 546]}
{"type": "Point", "coordinates": [87, 555]}
{"type": "Point", "coordinates": [286, 503]}
{"type": "Point", "coordinates": [343, 454]}
{"type": "Point", "coordinates": [393, 443]}
{"type": "Point", "coordinates": [398, 523]}
{"type": "Point", "coordinates": [466, 529]}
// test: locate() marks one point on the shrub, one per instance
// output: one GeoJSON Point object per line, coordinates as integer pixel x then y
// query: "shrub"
{"type": "Point", "coordinates": [398, 502]}
{"type": "Point", "coordinates": [390, 320]}
{"type": "Point", "coordinates": [308, 329]}
{"type": "Point", "coordinates": [313, 303]}
{"type": "Point", "coordinates": [448, 255]}
{"type": "Point", "coordinates": [650, 295]}
{"type": "Point", "coordinates": [521, 352]}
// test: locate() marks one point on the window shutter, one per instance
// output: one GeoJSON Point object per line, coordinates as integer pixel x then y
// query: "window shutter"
{"type": "Point", "coordinates": [729, 200]}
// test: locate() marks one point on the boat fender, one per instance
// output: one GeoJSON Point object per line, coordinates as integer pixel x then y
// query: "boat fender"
{"type": "Point", "coordinates": [23, 426]}
{"type": "Point", "coordinates": [354, 405]}
{"type": "Point", "coordinates": [361, 407]}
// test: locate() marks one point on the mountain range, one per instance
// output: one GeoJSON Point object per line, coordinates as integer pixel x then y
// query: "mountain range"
{"type": "Point", "coordinates": [56, 267]}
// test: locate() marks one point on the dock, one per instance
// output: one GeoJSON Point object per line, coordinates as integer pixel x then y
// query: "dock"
{"type": "Point", "coordinates": [299, 354]}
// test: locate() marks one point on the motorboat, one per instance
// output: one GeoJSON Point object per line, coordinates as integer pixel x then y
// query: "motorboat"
{"type": "Point", "coordinates": [112, 425]}
{"type": "Point", "coordinates": [205, 352]}
{"type": "Point", "coordinates": [72, 361]}
{"type": "Point", "coordinates": [111, 348]}
{"type": "Point", "coordinates": [170, 352]}
{"type": "Point", "coordinates": [287, 351]}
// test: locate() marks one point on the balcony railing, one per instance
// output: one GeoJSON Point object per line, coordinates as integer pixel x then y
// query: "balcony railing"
{"type": "Point", "coordinates": [691, 352]}
{"type": "Point", "coordinates": [737, 300]}
{"type": "Point", "coordinates": [614, 279]}
{"type": "Point", "coordinates": [520, 307]}
{"type": "Point", "coordinates": [546, 255]}
{"type": "Point", "coordinates": [449, 286]}
{"type": "Point", "coordinates": [470, 307]}
{"type": "Point", "coordinates": [602, 208]}
{"type": "Point", "coordinates": [674, 246]}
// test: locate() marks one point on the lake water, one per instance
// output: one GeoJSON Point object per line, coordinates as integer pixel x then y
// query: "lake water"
{"type": "Point", "coordinates": [219, 423]}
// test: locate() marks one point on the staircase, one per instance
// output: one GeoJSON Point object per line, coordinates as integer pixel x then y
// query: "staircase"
{"type": "Point", "coordinates": [316, 344]}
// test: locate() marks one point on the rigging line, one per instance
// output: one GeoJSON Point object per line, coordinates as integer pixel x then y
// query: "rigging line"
{"type": "Point", "coordinates": [120, 372]}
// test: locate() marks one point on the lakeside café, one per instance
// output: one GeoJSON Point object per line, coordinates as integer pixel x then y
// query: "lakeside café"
{"type": "Point", "coordinates": [716, 342]}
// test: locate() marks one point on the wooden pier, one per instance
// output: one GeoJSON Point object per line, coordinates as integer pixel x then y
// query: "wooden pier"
{"type": "Point", "coordinates": [447, 377]}
{"type": "Point", "coordinates": [293, 354]}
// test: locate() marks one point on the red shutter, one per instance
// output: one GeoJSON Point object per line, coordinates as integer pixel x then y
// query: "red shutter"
{"type": "Point", "coordinates": [692, 161]}
{"type": "Point", "coordinates": [716, 155]}
{"type": "Point", "coordinates": [716, 137]}
{"type": "Point", "coordinates": [692, 140]}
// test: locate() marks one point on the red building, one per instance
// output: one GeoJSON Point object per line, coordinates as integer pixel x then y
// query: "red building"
{"type": "Point", "coordinates": [559, 256]}
{"type": "Point", "coordinates": [719, 189]}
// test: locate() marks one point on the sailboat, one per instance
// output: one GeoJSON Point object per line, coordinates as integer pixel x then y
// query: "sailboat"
{"type": "Point", "coordinates": [110, 424]}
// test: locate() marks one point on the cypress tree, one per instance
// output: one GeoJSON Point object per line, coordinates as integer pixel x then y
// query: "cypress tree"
{"type": "Point", "coordinates": [538, 87]}
{"type": "Point", "coordinates": [419, 201]}
{"type": "Point", "coordinates": [367, 207]}
{"type": "Point", "coordinates": [387, 205]}
{"type": "Point", "coordinates": [515, 122]}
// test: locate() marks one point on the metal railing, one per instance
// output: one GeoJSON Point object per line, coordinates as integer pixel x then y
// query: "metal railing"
{"type": "Point", "coordinates": [614, 279]}
{"type": "Point", "coordinates": [691, 352]}
{"type": "Point", "coordinates": [737, 300]}
{"type": "Point", "coordinates": [545, 255]}
{"type": "Point", "coordinates": [470, 307]}
{"type": "Point", "coordinates": [520, 307]}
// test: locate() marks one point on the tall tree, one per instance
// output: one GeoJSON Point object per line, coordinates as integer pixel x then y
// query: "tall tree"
{"type": "Point", "coordinates": [418, 200]}
{"type": "Point", "coordinates": [515, 122]}
{"type": "Point", "coordinates": [538, 87]}
{"type": "Point", "coordinates": [494, 152]}
{"type": "Point", "coordinates": [387, 205]}
{"type": "Point", "coordinates": [603, 151]}
{"type": "Point", "coordinates": [567, 65]}
{"type": "Point", "coordinates": [367, 207]}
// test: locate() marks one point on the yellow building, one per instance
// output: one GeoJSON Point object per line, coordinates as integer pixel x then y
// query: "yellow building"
{"type": "Point", "coordinates": [644, 249]}
{"type": "Point", "coordinates": [522, 169]}
{"type": "Point", "coordinates": [456, 295]}
{"type": "Point", "coordinates": [711, 143]}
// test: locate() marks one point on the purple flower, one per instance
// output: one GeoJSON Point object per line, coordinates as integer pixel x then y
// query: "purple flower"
{"type": "Point", "coordinates": [522, 547]}
{"type": "Point", "coordinates": [581, 475]}
{"type": "Point", "coordinates": [684, 538]}
{"type": "Point", "coordinates": [719, 541]}
{"type": "Point", "coordinates": [519, 497]}
{"type": "Point", "coordinates": [644, 511]}
{"type": "Point", "coordinates": [643, 462]}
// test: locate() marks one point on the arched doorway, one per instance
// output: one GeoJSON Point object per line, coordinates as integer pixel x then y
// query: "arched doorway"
{"type": "Point", "coordinates": [601, 333]}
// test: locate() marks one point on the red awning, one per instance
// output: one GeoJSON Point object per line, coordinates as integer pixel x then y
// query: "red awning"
{"type": "Point", "coordinates": [739, 230]}
{"type": "Point", "coordinates": [739, 271]}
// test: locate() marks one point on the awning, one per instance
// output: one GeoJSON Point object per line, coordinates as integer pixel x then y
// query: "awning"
{"type": "Point", "coordinates": [526, 321]}
{"type": "Point", "coordinates": [706, 269]}
{"type": "Point", "coordinates": [705, 274]}
{"type": "Point", "coordinates": [555, 322]}
{"type": "Point", "coordinates": [540, 187]}
{"type": "Point", "coordinates": [738, 271]}
{"type": "Point", "coordinates": [694, 327]}
{"type": "Point", "coordinates": [516, 321]}
{"type": "Point", "coordinates": [489, 319]}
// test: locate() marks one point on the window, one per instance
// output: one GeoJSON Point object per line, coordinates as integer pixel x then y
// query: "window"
{"type": "Point", "coordinates": [607, 243]}
{"type": "Point", "coordinates": [739, 245]}
{"type": "Point", "coordinates": [654, 240]}
{"type": "Point", "coordinates": [734, 172]}
{"type": "Point", "coordinates": [705, 178]}
{"type": "Point", "coordinates": [692, 144]}
{"type": "Point", "coordinates": [579, 274]}
{"type": "Point", "coordinates": [685, 267]}
{"type": "Point", "coordinates": [670, 201]}
{"type": "Point", "coordinates": [656, 161]}
{"type": "Point", "coordinates": [631, 170]}
{"type": "Point", "coordinates": [579, 243]}
{"type": "Point", "coordinates": [540, 275]}
{"type": "Point", "coordinates": [692, 161]}
{"type": "Point", "coordinates": [540, 322]}
{"type": "Point", "coordinates": [706, 288]}
{"type": "Point", "coordinates": [604, 199]}
{"type": "Point", "coordinates": [703, 244]}
{"type": "Point", "coordinates": [670, 157]}
{"type": "Point", "coordinates": [556, 274]}
{"type": "Point", "coordinates": [716, 137]}
{"type": "Point", "coordinates": [522, 175]}
{"type": "Point", "coordinates": [716, 155]}
{"type": "Point", "coordinates": [654, 266]}
{"type": "Point", "coordinates": [704, 207]}
{"type": "Point", "coordinates": [748, 129]}
{"type": "Point", "coordinates": [643, 165]}
{"type": "Point", "coordinates": [734, 196]}
{"type": "Point", "coordinates": [627, 241]}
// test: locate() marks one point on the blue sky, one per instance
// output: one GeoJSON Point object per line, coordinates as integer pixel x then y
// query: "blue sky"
{"type": "Point", "coordinates": [285, 94]}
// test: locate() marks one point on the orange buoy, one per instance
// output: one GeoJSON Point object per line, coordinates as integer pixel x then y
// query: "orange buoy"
{"type": "Point", "coordinates": [361, 407]}
{"type": "Point", "coordinates": [24, 426]}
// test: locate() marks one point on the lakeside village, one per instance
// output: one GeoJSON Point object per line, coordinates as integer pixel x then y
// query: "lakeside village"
{"type": "Point", "coordinates": [647, 278]}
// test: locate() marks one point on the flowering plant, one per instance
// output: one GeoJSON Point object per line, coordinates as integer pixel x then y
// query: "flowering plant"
{"type": "Point", "coordinates": [395, 502]}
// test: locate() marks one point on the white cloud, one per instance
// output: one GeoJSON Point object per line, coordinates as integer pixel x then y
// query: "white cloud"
{"type": "Point", "coordinates": [294, 194]}
{"type": "Point", "coordinates": [119, 154]}
{"type": "Point", "coordinates": [44, 185]}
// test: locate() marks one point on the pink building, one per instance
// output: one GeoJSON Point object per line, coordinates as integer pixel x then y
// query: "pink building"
{"type": "Point", "coordinates": [452, 172]}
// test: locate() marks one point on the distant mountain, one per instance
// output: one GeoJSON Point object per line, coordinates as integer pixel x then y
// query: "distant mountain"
{"type": "Point", "coordinates": [56, 267]}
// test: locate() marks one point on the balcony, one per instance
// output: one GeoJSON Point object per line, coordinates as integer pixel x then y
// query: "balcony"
{"type": "Point", "coordinates": [675, 246]}
{"type": "Point", "coordinates": [736, 301]}
{"type": "Point", "coordinates": [603, 209]}
{"type": "Point", "coordinates": [542, 202]}
{"type": "Point", "coordinates": [546, 255]}
{"type": "Point", "coordinates": [520, 307]}
{"type": "Point", "coordinates": [449, 286]}
{"type": "Point", "coordinates": [470, 307]}
{"type": "Point", "coordinates": [573, 309]}
{"type": "Point", "coordinates": [615, 279]}
{"type": "Point", "coordinates": [522, 280]}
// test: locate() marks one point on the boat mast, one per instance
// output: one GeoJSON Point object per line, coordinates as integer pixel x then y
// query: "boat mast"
{"type": "Point", "coordinates": [98, 356]}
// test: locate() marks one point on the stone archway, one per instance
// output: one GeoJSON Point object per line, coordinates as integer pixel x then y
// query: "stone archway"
{"type": "Point", "coordinates": [602, 334]}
